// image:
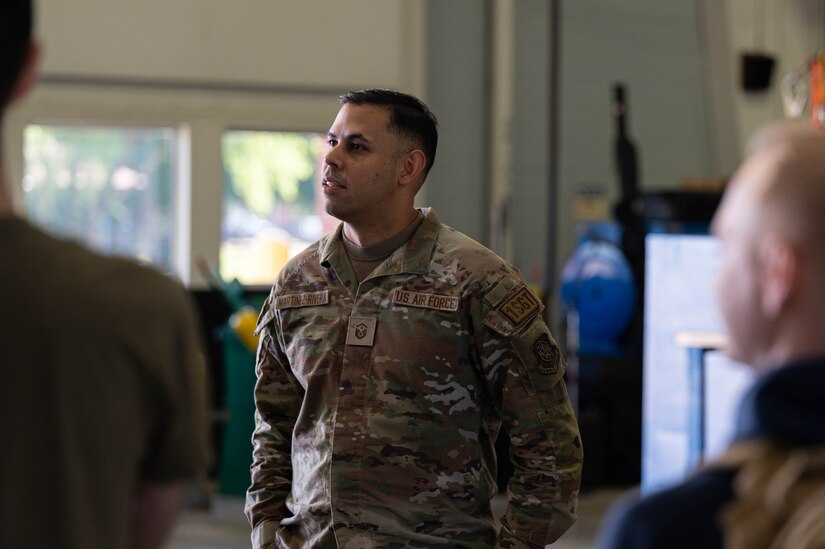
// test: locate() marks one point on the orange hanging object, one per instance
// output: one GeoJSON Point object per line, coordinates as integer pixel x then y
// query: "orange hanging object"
{"type": "Point", "coordinates": [243, 323]}
{"type": "Point", "coordinates": [818, 90]}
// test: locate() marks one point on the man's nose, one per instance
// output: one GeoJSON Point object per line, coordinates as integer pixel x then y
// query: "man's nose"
{"type": "Point", "coordinates": [332, 156]}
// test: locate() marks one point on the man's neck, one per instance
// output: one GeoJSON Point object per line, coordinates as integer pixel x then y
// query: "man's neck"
{"type": "Point", "coordinates": [368, 234]}
{"type": "Point", "coordinates": [800, 335]}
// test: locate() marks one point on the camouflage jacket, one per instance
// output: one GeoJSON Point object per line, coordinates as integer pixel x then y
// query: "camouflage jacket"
{"type": "Point", "coordinates": [378, 404]}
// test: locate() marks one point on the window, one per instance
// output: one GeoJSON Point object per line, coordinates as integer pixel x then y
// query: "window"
{"type": "Point", "coordinates": [272, 207]}
{"type": "Point", "coordinates": [109, 188]}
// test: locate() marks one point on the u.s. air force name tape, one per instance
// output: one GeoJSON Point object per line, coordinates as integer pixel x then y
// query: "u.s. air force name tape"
{"type": "Point", "coordinates": [425, 301]}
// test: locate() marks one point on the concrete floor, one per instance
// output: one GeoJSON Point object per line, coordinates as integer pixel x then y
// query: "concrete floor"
{"type": "Point", "coordinates": [224, 525]}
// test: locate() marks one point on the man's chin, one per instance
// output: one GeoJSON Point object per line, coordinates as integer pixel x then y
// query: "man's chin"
{"type": "Point", "coordinates": [731, 354]}
{"type": "Point", "coordinates": [734, 353]}
{"type": "Point", "coordinates": [334, 211]}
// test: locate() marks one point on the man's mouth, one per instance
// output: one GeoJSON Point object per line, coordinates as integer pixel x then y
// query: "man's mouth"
{"type": "Point", "coordinates": [330, 182]}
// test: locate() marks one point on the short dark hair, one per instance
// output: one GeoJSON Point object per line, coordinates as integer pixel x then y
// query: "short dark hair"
{"type": "Point", "coordinates": [409, 116]}
{"type": "Point", "coordinates": [15, 36]}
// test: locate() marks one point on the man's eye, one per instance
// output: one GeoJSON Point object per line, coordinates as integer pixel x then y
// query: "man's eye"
{"type": "Point", "coordinates": [332, 142]}
{"type": "Point", "coordinates": [356, 147]}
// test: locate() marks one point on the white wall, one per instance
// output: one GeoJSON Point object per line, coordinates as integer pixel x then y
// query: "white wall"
{"type": "Point", "coordinates": [791, 31]}
{"type": "Point", "coordinates": [458, 91]}
{"type": "Point", "coordinates": [493, 149]}
{"type": "Point", "coordinates": [276, 42]}
{"type": "Point", "coordinates": [210, 65]}
{"type": "Point", "coordinates": [530, 179]}
{"type": "Point", "coordinates": [654, 48]}
{"type": "Point", "coordinates": [205, 66]}
{"type": "Point", "coordinates": [688, 114]}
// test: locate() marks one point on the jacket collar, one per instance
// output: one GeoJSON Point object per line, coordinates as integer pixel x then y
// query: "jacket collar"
{"type": "Point", "coordinates": [413, 257]}
{"type": "Point", "coordinates": [786, 405]}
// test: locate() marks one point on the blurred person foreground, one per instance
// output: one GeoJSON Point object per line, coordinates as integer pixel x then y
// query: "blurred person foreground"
{"type": "Point", "coordinates": [768, 489]}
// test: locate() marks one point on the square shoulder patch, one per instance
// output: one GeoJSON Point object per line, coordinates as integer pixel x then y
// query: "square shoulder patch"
{"type": "Point", "coordinates": [521, 306]}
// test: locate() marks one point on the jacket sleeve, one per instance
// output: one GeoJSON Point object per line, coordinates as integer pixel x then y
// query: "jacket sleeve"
{"type": "Point", "coordinates": [523, 367]}
{"type": "Point", "coordinates": [277, 401]}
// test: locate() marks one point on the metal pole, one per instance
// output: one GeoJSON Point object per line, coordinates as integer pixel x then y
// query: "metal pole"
{"type": "Point", "coordinates": [554, 70]}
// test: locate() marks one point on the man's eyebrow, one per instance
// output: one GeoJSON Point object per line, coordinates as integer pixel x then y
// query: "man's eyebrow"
{"type": "Point", "coordinates": [350, 137]}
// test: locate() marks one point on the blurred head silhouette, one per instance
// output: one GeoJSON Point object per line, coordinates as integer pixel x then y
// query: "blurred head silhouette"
{"type": "Point", "coordinates": [771, 284]}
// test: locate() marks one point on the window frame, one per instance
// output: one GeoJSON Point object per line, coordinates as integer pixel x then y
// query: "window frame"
{"type": "Point", "coordinates": [200, 117]}
{"type": "Point", "coordinates": [320, 133]}
{"type": "Point", "coordinates": [178, 209]}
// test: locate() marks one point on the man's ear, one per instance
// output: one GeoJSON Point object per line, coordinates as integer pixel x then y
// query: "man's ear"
{"type": "Point", "coordinates": [412, 168]}
{"type": "Point", "coordinates": [28, 73]}
{"type": "Point", "coordinates": [779, 266]}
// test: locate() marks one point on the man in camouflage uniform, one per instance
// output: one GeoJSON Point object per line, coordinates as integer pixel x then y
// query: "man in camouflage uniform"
{"type": "Point", "coordinates": [391, 353]}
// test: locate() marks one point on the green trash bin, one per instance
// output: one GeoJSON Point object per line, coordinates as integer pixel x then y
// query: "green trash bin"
{"type": "Point", "coordinates": [236, 442]}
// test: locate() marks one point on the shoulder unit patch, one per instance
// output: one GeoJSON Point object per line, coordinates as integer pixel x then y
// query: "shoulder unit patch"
{"type": "Point", "coordinates": [547, 354]}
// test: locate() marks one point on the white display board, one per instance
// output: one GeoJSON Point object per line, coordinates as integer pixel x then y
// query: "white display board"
{"type": "Point", "coordinates": [679, 296]}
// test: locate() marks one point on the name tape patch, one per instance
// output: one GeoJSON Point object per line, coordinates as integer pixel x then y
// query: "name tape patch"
{"type": "Point", "coordinates": [521, 306]}
{"type": "Point", "coordinates": [425, 301]}
{"type": "Point", "coordinates": [308, 299]}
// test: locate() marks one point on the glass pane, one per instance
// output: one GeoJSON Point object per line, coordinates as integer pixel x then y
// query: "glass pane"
{"type": "Point", "coordinates": [110, 188]}
{"type": "Point", "coordinates": [272, 207]}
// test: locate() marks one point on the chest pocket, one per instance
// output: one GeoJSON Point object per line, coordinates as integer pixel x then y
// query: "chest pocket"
{"type": "Point", "coordinates": [310, 329]}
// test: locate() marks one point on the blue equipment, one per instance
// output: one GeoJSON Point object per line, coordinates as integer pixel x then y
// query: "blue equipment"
{"type": "Point", "coordinates": [598, 288]}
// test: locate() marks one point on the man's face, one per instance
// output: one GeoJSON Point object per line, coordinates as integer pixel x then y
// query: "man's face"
{"type": "Point", "coordinates": [738, 284]}
{"type": "Point", "coordinates": [362, 165]}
